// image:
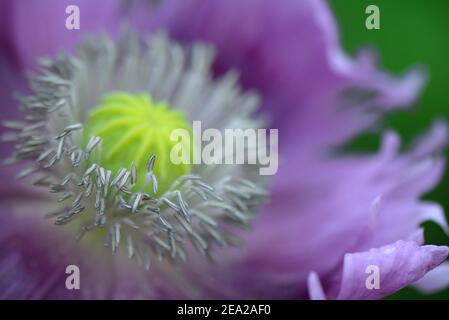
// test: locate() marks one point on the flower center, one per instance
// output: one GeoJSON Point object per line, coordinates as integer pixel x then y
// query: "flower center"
{"type": "Point", "coordinates": [107, 167]}
{"type": "Point", "coordinates": [132, 127]}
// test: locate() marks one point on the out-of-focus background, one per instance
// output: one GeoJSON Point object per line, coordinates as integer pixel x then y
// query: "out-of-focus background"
{"type": "Point", "coordinates": [411, 32]}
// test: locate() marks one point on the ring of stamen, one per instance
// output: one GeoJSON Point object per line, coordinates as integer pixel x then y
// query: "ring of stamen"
{"type": "Point", "coordinates": [68, 159]}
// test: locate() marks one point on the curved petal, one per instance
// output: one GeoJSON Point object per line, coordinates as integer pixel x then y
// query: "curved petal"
{"type": "Point", "coordinates": [381, 271]}
{"type": "Point", "coordinates": [398, 264]}
{"type": "Point", "coordinates": [315, 288]}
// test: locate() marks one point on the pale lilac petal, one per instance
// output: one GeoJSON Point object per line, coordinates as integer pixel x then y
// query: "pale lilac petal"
{"type": "Point", "coordinates": [432, 281]}
{"type": "Point", "coordinates": [435, 280]}
{"type": "Point", "coordinates": [400, 264]}
{"type": "Point", "coordinates": [435, 213]}
{"type": "Point", "coordinates": [315, 288]}
{"type": "Point", "coordinates": [434, 140]}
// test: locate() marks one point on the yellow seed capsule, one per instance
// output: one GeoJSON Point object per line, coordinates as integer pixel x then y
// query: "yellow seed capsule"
{"type": "Point", "coordinates": [132, 128]}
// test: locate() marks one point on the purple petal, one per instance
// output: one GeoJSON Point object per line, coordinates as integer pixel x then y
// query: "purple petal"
{"type": "Point", "coordinates": [393, 264]}
{"type": "Point", "coordinates": [315, 288]}
{"type": "Point", "coordinates": [400, 264]}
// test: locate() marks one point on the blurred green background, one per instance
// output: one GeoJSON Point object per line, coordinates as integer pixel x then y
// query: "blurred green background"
{"type": "Point", "coordinates": [411, 32]}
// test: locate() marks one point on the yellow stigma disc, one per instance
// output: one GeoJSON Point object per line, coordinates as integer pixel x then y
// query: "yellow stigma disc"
{"type": "Point", "coordinates": [132, 128]}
